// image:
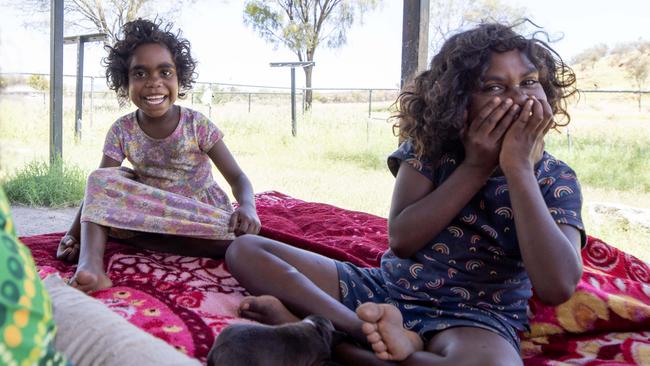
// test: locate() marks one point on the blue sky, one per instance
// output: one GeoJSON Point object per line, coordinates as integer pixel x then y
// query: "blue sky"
{"type": "Point", "coordinates": [229, 52]}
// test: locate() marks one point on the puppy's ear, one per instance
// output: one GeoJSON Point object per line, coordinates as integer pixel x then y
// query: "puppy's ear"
{"type": "Point", "coordinates": [324, 327]}
{"type": "Point", "coordinates": [338, 337]}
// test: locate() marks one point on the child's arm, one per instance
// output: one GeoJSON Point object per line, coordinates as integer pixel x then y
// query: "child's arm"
{"type": "Point", "coordinates": [551, 252]}
{"type": "Point", "coordinates": [74, 232]}
{"type": "Point", "coordinates": [418, 211]}
{"type": "Point", "coordinates": [244, 220]}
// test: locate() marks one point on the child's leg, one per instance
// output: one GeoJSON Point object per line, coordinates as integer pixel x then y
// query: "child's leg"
{"type": "Point", "coordinates": [305, 282]}
{"type": "Point", "coordinates": [180, 245]}
{"type": "Point", "coordinates": [90, 274]}
{"type": "Point", "coordinates": [349, 354]}
{"type": "Point", "coordinates": [453, 346]}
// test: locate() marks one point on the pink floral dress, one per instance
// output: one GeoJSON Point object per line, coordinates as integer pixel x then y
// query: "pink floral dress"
{"type": "Point", "coordinates": [170, 189]}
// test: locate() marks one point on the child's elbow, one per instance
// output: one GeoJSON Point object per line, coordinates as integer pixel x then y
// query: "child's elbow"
{"type": "Point", "coordinates": [560, 293]}
{"type": "Point", "coordinates": [557, 297]}
{"type": "Point", "coordinates": [398, 247]}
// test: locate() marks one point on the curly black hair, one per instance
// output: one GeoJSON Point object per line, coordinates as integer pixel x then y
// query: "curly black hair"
{"type": "Point", "coordinates": [137, 33]}
{"type": "Point", "coordinates": [430, 109]}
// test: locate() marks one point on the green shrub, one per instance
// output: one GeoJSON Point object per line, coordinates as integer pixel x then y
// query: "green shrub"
{"type": "Point", "coordinates": [43, 184]}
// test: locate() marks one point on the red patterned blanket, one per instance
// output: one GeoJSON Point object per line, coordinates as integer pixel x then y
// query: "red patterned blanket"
{"type": "Point", "coordinates": [187, 301]}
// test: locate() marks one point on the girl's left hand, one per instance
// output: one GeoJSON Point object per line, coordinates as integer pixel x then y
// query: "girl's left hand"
{"type": "Point", "coordinates": [244, 221]}
{"type": "Point", "coordinates": [523, 143]}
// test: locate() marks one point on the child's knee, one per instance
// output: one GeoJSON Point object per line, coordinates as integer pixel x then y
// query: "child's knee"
{"type": "Point", "coordinates": [242, 249]}
{"type": "Point", "coordinates": [101, 175]}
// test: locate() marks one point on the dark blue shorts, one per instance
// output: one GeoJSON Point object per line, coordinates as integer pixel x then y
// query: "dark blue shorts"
{"type": "Point", "coordinates": [359, 285]}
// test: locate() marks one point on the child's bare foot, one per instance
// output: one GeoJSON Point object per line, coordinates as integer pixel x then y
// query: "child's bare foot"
{"type": "Point", "coordinates": [88, 281]}
{"type": "Point", "coordinates": [266, 309]}
{"type": "Point", "coordinates": [68, 249]}
{"type": "Point", "coordinates": [384, 329]}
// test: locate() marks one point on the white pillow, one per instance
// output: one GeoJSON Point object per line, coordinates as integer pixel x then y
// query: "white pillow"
{"type": "Point", "coordinates": [89, 333]}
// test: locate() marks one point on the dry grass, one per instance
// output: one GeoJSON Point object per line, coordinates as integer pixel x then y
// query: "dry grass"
{"type": "Point", "coordinates": [339, 154]}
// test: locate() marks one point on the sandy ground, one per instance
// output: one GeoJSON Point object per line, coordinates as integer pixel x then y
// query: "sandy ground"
{"type": "Point", "coordinates": [41, 220]}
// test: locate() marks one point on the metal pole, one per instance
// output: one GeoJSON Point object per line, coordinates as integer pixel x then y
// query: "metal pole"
{"type": "Point", "coordinates": [92, 97]}
{"type": "Point", "coordinates": [370, 103]}
{"type": "Point", "coordinates": [294, 130]}
{"type": "Point", "coordinates": [415, 38]}
{"type": "Point", "coordinates": [209, 100]}
{"type": "Point", "coordinates": [79, 93]}
{"type": "Point", "coordinates": [56, 80]}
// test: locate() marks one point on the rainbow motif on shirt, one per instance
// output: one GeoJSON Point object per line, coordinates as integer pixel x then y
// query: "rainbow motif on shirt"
{"type": "Point", "coordinates": [490, 231]}
{"type": "Point", "coordinates": [469, 219]}
{"type": "Point", "coordinates": [562, 191]}
{"type": "Point", "coordinates": [455, 231]}
{"type": "Point", "coordinates": [462, 292]}
{"type": "Point", "coordinates": [501, 189]}
{"type": "Point", "coordinates": [441, 248]}
{"type": "Point", "coordinates": [473, 264]}
{"type": "Point", "coordinates": [415, 269]}
{"type": "Point", "coordinates": [504, 211]}
{"type": "Point", "coordinates": [434, 285]}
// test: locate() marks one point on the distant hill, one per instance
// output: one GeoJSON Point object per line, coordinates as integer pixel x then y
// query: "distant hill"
{"type": "Point", "coordinates": [602, 75]}
{"type": "Point", "coordinates": [606, 69]}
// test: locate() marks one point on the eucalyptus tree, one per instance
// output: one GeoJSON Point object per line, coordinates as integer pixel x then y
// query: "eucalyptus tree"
{"type": "Point", "coordinates": [99, 16]}
{"type": "Point", "coordinates": [304, 25]}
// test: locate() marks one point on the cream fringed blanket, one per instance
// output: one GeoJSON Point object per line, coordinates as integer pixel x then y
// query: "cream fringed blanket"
{"type": "Point", "coordinates": [89, 333]}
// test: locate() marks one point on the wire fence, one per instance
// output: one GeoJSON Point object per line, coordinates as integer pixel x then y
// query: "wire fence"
{"type": "Point", "coordinates": [374, 103]}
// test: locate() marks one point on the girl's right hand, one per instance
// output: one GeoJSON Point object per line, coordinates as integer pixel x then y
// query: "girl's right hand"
{"type": "Point", "coordinates": [482, 137]}
{"type": "Point", "coordinates": [244, 220]}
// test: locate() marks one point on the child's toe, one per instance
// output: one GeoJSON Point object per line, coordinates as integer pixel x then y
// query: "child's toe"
{"type": "Point", "coordinates": [368, 328]}
{"type": "Point", "coordinates": [374, 337]}
{"type": "Point", "coordinates": [369, 312]}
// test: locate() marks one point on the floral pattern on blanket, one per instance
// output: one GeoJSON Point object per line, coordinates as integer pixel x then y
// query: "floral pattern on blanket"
{"type": "Point", "coordinates": [607, 320]}
{"type": "Point", "coordinates": [184, 301]}
{"type": "Point", "coordinates": [188, 301]}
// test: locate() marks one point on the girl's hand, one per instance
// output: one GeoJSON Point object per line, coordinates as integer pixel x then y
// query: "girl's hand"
{"type": "Point", "coordinates": [523, 143]}
{"type": "Point", "coordinates": [483, 136]}
{"type": "Point", "coordinates": [244, 221]}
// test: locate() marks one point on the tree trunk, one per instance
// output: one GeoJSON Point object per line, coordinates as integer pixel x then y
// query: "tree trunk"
{"type": "Point", "coordinates": [308, 93]}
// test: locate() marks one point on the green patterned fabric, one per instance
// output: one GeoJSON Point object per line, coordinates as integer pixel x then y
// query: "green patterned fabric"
{"type": "Point", "coordinates": [26, 325]}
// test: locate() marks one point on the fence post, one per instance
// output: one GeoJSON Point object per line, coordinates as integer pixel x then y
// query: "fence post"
{"type": "Point", "coordinates": [294, 129]}
{"type": "Point", "coordinates": [369, 103]}
{"type": "Point", "coordinates": [249, 102]}
{"type": "Point", "coordinates": [92, 97]}
{"type": "Point", "coordinates": [209, 100]}
{"type": "Point", "coordinates": [56, 80]}
{"type": "Point", "coordinates": [79, 97]}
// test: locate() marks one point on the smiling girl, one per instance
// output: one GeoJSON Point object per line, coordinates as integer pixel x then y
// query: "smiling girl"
{"type": "Point", "coordinates": [169, 201]}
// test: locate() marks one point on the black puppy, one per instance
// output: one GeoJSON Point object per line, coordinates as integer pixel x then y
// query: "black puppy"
{"type": "Point", "coordinates": [305, 343]}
